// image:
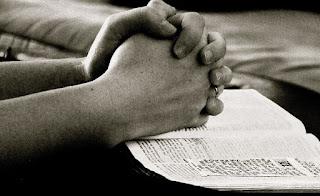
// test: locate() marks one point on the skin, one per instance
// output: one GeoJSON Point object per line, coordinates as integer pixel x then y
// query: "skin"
{"type": "Point", "coordinates": [146, 90]}
{"type": "Point", "coordinates": [170, 86]}
{"type": "Point", "coordinates": [157, 19]}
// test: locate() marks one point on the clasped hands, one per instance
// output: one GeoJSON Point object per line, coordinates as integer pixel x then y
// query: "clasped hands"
{"type": "Point", "coordinates": [158, 81]}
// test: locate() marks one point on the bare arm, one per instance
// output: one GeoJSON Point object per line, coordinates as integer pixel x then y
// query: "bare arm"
{"type": "Point", "coordinates": [145, 91]}
{"type": "Point", "coordinates": [40, 124]}
{"type": "Point", "coordinates": [135, 97]}
{"type": "Point", "coordinates": [23, 78]}
{"type": "Point", "coordinates": [43, 123]}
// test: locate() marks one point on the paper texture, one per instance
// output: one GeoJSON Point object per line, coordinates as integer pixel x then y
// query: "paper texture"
{"type": "Point", "coordinates": [277, 148]}
{"type": "Point", "coordinates": [275, 167]}
{"type": "Point", "coordinates": [246, 112]}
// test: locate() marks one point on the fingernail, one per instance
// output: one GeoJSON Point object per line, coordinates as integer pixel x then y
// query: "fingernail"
{"type": "Point", "coordinates": [208, 55]}
{"type": "Point", "coordinates": [180, 51]}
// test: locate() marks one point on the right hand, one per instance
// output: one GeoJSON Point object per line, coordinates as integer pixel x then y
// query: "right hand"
{"type": "Point", "coordinates": [151, 91]}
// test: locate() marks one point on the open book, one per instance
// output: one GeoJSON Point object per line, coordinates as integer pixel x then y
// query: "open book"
{"type": "Point", "coordinates": [254, 144]}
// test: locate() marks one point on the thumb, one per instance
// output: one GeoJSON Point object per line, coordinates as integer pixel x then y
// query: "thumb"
{"type": "Point", "coordinates": [158, 12]}
{"type": "Point", "coordinates": [118, 27]}
{"type": "Point", "coordinates": [156, 25]}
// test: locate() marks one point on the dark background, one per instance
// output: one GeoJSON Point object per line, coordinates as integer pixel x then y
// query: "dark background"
{"type": "Point", "coordinates": [222, 6]}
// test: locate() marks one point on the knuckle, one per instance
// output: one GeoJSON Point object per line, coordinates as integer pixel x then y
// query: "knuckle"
{"type": "Point", "coordinates": [219, 51]}
{"type": "Point", "coordinates": [214, 106]}
{"type": "Point", "coordinates": [111, 23]}
{"type": "Point", "coordinates": [154, 2]}
{"type": "Point", "coordinates": [149, 16]}
{"type": "Point", "coordinates": [159, 6]}
{"type": "Point", "coordinates": [196, 17]}
{"type": "Point", "coordinates": [146, 12]}
{"type": "Point", "coordinates": [156, 10]}
{"type": "Point", "coordinates": [220, 76]}
{"type": "Point", "coordinates": [216, 36]}
{"type": "Point", "coordinates": [111, 20]}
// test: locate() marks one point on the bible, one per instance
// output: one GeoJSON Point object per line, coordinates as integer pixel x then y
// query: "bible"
{"type": "Point", "coordinates": [253, 145]}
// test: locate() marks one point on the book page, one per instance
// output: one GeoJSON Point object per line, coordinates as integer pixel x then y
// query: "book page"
{"type": "Point", "coordinates": [171, 159]}
{"type": "Point", "coordinates": [246, 112]}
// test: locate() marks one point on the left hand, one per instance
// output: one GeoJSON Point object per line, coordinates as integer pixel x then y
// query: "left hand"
{"type": "Point", "coordinates": [157, 19]}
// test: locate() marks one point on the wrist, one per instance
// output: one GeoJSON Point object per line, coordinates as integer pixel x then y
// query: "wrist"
{"type": "Point", "coordinates": [80, 119]}
{"type": "Point", "coordinates": [99, 113]}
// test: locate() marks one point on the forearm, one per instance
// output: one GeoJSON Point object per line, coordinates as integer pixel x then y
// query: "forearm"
{"type": "Point", "coordinates": [41, 124]}
{"type": "Point", "coordinates": [22, 78]}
